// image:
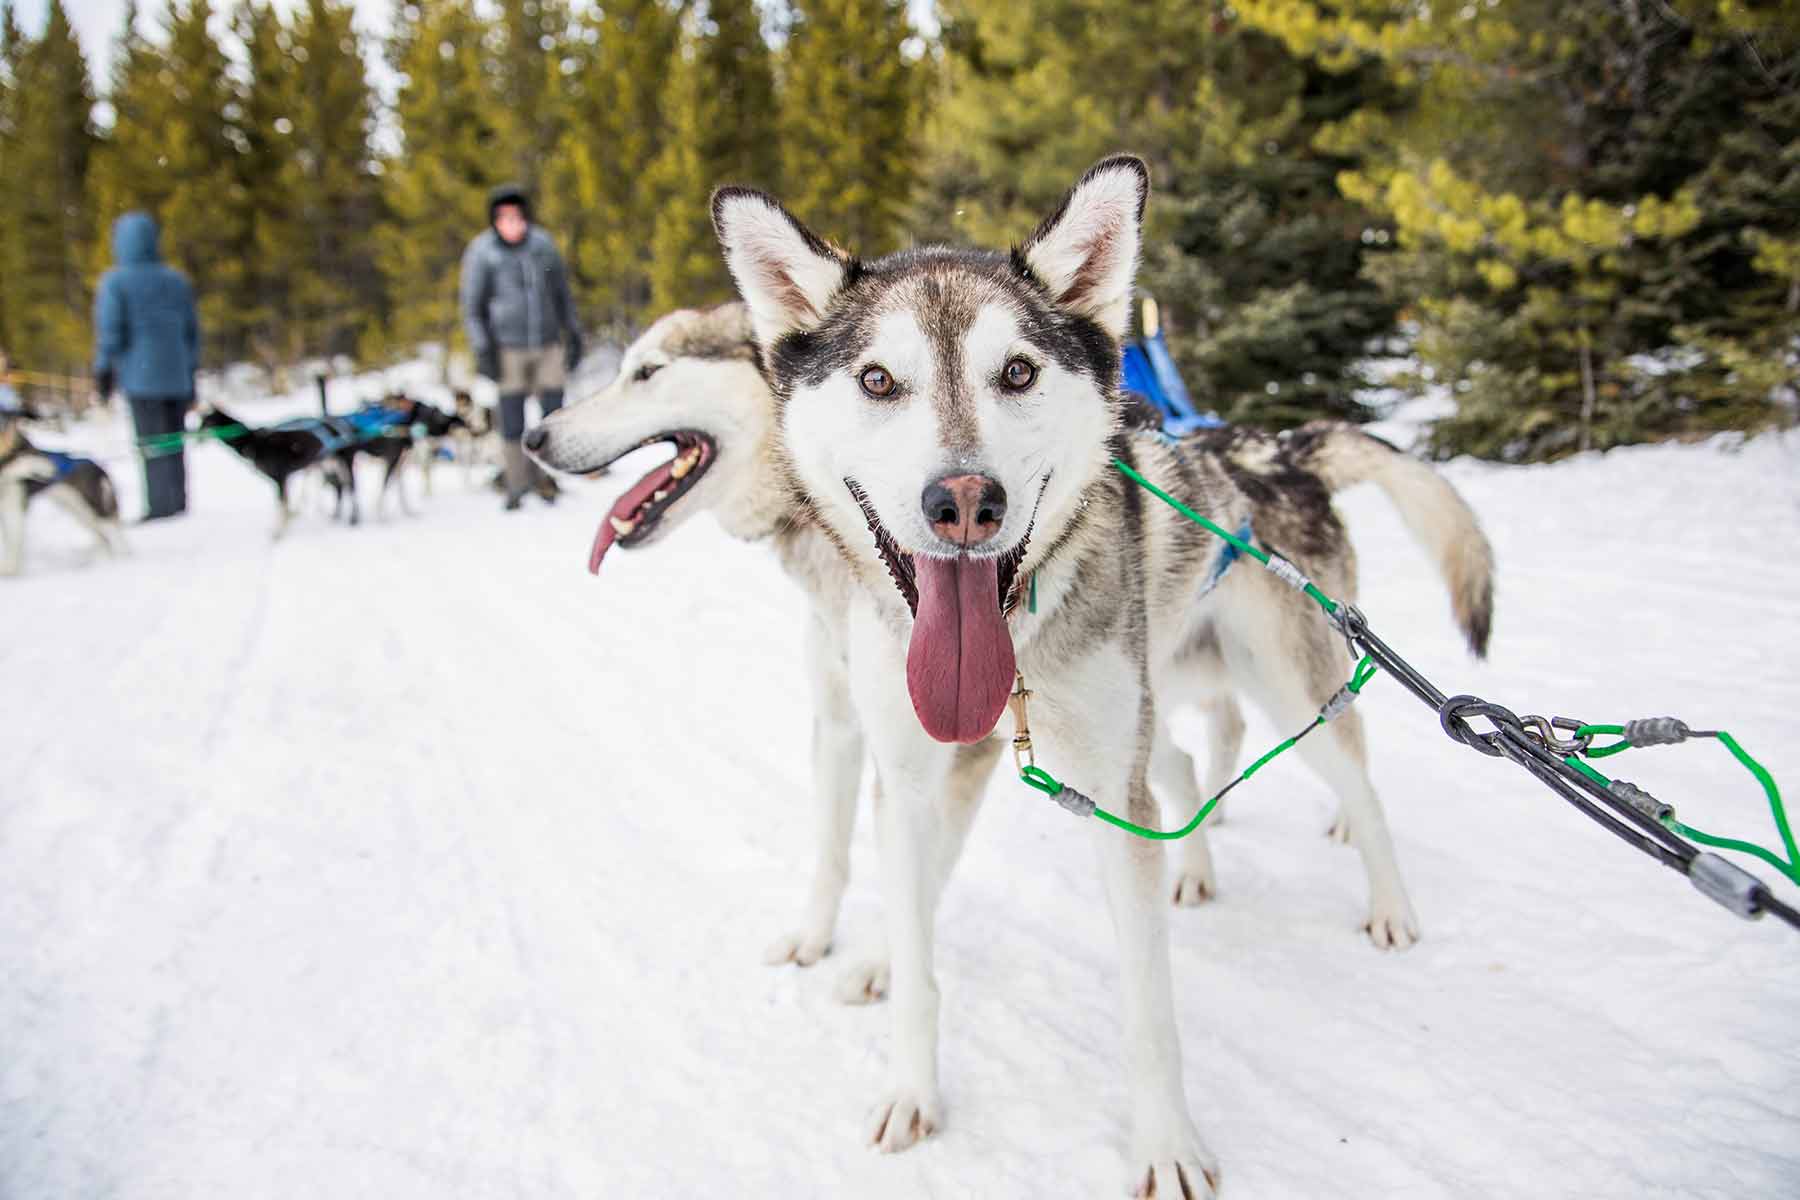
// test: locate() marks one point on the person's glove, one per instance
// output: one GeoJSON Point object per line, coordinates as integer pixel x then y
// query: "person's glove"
{"type": "Point", "coordinates": [487, 363]}
{"type": "Point", "coordinates": [103, 381]}
{"type": "Point", "coordinates": [572, 351]}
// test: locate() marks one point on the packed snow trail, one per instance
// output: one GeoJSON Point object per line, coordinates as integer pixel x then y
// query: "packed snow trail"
{"type": "Point", "coordinates": [409, 861]}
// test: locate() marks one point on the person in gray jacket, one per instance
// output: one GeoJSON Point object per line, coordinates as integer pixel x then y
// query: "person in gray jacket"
{"type": "Point", "coordinates": [521, 324]}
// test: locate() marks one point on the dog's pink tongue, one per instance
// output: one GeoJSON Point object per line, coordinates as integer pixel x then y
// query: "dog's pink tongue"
{"type": "Point", "coordinates": [959, 667]}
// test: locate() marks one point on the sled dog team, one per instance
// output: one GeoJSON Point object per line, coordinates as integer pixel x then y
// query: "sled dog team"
{"type": "Point", "coordinates": [402, 429]}
{"type": "Point", "coordinates": [925, 440]}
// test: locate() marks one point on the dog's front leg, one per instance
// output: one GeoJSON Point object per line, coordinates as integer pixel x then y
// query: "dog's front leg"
{"type": "Point", "coordinates": [1095, 729]}
{"type": "Point", "coordinates": [12, 527]}
{"type": "Point", "coordinates": [909, 834]}
{"type": "Point", "coordinates": [912, 770]}
{"type": "Point", "coordinates": [837, 762]}
{"type": "Point", "coordinates": [406, 506]}
{"type": "Point", "coordinates": [283, 511]}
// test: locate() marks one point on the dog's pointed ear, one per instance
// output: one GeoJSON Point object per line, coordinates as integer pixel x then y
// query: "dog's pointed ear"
{"type": "Point", "coordinates": [1085, 253]}
{"type": "Point", "coordinates": [785, 272]}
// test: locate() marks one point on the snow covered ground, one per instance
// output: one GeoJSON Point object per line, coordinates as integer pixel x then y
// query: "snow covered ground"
{"type": "Point", "coordinates": [409, 861]}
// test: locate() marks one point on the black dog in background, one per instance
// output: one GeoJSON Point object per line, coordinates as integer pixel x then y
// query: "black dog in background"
{"type": "Point", "coordinates": [332, 443]}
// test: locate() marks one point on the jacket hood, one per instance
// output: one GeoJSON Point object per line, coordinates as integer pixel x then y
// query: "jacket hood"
{"type": "Point", "coordinates": [134, 239]}
{"type": "Point", "coordinates": [509, 193]}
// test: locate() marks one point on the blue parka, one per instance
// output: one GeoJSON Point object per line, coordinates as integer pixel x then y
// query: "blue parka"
{"type": "Point", "coordinates": [145, 329]}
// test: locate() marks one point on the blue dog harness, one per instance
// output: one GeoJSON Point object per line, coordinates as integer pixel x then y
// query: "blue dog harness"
{"type": "Point", "coordinates": [1230, 554]}
{"type": "Point", "coordinates": [352, 429]}
{"type": "Point", "coordinates": [65, 464]}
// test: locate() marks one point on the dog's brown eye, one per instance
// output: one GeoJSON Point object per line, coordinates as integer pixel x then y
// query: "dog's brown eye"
{"type": "Point", "coordinates": [877, 382]}
{"type": "Point", "coordinates": [1019, 374]}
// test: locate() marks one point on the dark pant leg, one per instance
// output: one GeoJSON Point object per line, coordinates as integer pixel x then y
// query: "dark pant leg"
{"type": "Point", "coordinates": [512, 416]}
{"type": "Point", "coordinates": [513, 462]}
{"type": "Point", "coordinates": [550, 399]}
{"type": "Point", "coordinates": [165, 466]}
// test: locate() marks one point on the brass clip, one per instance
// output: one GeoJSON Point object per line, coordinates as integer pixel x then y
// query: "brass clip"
{"type": "Point", "coordinates": [1021, 743]}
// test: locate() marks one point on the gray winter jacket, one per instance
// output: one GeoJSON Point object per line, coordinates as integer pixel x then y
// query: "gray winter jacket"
{"type": "Point", "coordinates": [515, 296]}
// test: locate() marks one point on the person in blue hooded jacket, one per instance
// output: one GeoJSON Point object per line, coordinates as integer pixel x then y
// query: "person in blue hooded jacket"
{"type": "Point", "coordinates": [147, 343]}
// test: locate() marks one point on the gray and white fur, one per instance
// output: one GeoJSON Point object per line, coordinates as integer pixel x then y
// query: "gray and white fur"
{"type": "Point", "coordinates": [992, 377]}
{"type": "Point", "coordinates": [85, 492]}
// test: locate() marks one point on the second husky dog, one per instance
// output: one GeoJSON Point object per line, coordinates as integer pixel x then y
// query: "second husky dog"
{"type": "Point", "coordinates": [951, 418]}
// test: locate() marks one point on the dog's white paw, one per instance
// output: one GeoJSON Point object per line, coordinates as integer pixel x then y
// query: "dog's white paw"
{"type": "Point", "coordinates": [864, 983]}
{"type": "Point", "coordinates": [801, 947]}
{"type": "Point", "coordinates": [904, 1118]}
{"type": "Point", "coordinates": [1391, 924]}
{"type": "Point", "coordinates": [1181, 1169]}
{"type": "Point", "coordinates": [1194, 887]}
{"type": "Point", "coordinates": [1340, 828]}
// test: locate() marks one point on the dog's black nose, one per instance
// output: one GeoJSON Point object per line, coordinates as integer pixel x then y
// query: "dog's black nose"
{"type": "Point", "coordinates": [535, 439]}
{"type": "Point", "coordinates": [965, 509]}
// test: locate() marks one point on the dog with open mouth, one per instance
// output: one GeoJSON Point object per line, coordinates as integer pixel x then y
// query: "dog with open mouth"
{"type": "Point", "coordinates": [688, 382]}
{"type": "Point", "coordinates": [950, 418]}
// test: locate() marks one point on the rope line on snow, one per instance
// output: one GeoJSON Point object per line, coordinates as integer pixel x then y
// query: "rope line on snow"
{"type": "Point", "coordinates": [1531, 742]}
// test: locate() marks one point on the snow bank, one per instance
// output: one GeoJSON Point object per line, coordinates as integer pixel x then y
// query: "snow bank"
{"type": "Point", "coordinates": [408, 861]}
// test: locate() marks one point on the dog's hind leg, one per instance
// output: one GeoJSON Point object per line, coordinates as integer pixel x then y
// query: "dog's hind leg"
{"type": "Point", "coordinates": [1224, 743]}
{"type": "Point", "coordinates": [1337, 753]}
{"type": "Point", "coordinates": [348, 458]}
{"type": "Point", "coordinates": [1172, 775]}
{"type": "Point", "coordinates": [837, 762]}
{"type": "Point", "coordinates": [1287, 659]}
{"type": "Point", "coordinates": [77, 505]}
{"type": "Point", "coordinates": [12, 527]}
{"type": "Point", "coordinates": [399, 479]}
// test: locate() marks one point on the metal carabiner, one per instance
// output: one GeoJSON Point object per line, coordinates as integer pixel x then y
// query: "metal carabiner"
{"type": "Point", "coordinates": [1543, 729]}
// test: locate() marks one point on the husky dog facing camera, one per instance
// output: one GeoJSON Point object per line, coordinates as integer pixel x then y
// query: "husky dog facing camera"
{"type": "Point", "coordinates": [950, 418]}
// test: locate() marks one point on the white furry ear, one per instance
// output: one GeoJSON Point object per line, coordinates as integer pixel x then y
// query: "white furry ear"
{"type": "Point", "coordinates": [784, 271]}
{"type": "Point", "coordinates": [1085, 253]}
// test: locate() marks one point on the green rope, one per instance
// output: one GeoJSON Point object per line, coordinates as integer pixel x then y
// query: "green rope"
{"type": "Point", "coordinates": [159, 444]}
{"type": "Point", "coordinates": [1789, 868]}
{"type": "Point", "coordinates": [1262, 556]}
{"type": "Point", "coordinates": [1046, 783]}
{"type": "Point", "coordinates": [1043, 781]}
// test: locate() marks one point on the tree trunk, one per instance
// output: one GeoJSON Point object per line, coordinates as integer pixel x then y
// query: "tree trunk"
{"type": "Point", "coordinates": [1587, 392]}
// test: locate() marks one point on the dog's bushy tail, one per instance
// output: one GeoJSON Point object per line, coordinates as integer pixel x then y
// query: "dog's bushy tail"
{"type": "Point", "coordinates": [1436, 515]}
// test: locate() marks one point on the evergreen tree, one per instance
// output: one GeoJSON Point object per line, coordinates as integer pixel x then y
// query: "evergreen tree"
{"type": "Point", "coordinates": [450, 155]}
{"type": "Point", "coordinates": [48, 224]}
{"type": "Point", "coordinates": [12, 46]}
{"type": "Point", "coordinates": [722, 130]}
{"type": "Point", "coordinates": [172, 151]}
{"type": "Point", "coordinates": [528, 35]}
{"type": "Point", "coordinates": [1254, 255]}
{"type": "Point", "coordinates": [265, 139]}
{"type": "Point", "coordinates": [320, 242]}
{"type": "Point", "coordinates": [1590, 206]}
{"type": "Point", "coordinates": [595, 199]}
{"type": "Point", "coordinates": [850, 120]}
